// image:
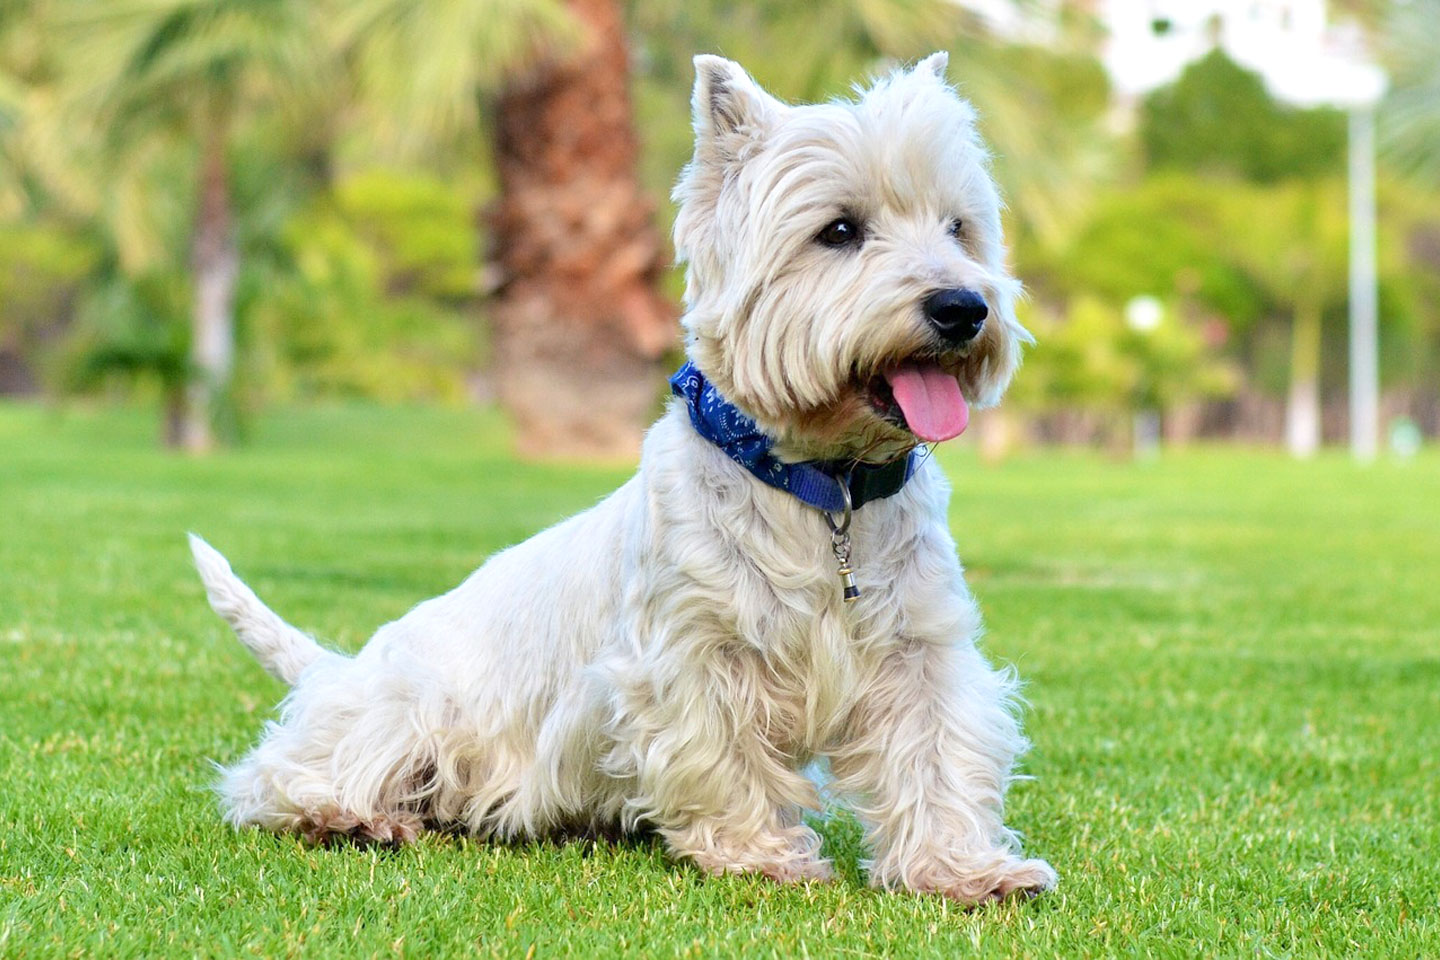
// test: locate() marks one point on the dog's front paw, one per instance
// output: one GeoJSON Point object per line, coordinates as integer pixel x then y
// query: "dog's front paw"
{"type": "Point", "coordinates": [1009, 878]}
{"type": "Point", "coordinates": [796, 870]}
{"type": "Point", "coordinates": [790, 856]}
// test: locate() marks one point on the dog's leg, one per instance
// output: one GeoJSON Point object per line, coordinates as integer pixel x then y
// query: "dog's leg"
{"type": "Point", "coordinates": [927, 758]}
{"type": "Point", "coordinates": [289, 794]}
{"type": "Point", "coordinates": [778, 846]}
{"type": "Point", "coordinates": [711, 778]}
{"type": "Point", "coordinates": [357, 755]}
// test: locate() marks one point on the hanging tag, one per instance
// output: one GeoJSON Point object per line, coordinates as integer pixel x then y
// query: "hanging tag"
{"type": "Point", "coordinates": [840, 545]}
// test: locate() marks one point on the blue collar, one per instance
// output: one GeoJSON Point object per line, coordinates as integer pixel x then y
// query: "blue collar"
{"type": "Point", "coordinates": [815, 482]}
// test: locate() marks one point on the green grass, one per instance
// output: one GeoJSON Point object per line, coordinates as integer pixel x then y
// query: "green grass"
{"type": "Point", "coordinates": [1233, 663]}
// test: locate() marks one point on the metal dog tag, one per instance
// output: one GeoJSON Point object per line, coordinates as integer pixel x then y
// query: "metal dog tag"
{"type": "Point", "coordinates": [840, 545]}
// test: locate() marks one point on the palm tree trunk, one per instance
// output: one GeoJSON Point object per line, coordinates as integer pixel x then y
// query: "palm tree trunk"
{"type": "Point", "coordinates": [578, 324]}
{"type": "Point", "coordinates": [216, 264]}
{"type": "Point", "coordinates": [175, 408]}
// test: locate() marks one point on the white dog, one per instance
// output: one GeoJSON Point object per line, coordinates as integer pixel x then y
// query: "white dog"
{"type": "Point", "coordinates": [674, 657]}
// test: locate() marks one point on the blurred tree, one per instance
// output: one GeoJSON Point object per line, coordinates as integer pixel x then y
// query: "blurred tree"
{"type": "Point", "coordinates": [131, 330]}
{"type": "Point", "coordinates": [578, 325]}
{"type": "Point", "coordinates": [162, 75]}
{"type": "Point", "coordinates": [1218, 118]}
{"type": "Point", "coordinates": [1260, 268]}
{"type": "Point", "coordinates": [1410, 114]}
{"type": "Point", "coordinates": [17, 65]}
{"type": "Point", "coordinates": [43, 269]}
{"type": "Point", "coordinates": [1094, 365]}
{"type": "Point", "coordinates": [1410, 349]}
{"type": "Point", "coordinates": [56, 256]}
{"type": "Point", "coordinates": [369, 294]}
{"type": "Point", "coordinates": [46, 171]}
{"type": "Point", "coordinates": [1293, 240]}
{"type": "Point", "coordinates": [1167, 236]}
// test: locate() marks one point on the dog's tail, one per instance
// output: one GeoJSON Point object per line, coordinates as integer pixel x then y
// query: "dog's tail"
{"type": "Point", "coordinates": [281, 649]}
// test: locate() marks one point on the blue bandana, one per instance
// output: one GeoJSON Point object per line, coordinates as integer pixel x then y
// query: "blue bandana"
{"type": "Point", "coordinates": [816, 482]}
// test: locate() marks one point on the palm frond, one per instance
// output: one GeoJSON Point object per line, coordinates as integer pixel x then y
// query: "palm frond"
{"type": "Point", "coordinates": [1410, 115]}
{"type": "Point", "coordinates": [427, 62]}
{"type": "Point", "coordinates": [152, 62]}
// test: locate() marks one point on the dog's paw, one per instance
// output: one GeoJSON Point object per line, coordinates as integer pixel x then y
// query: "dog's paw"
{"type": "Point", "coordinates": [789, 857]}
{"type": "Point", "coordinates": [799, 871]}
{"type": "Point", "coordinates": [783, 870]}
{"type": "Point", "coordinates": [788, 871]}
{"type": "Point", "coordinates": [1011, 877]}
{"type": "Point", "coordinates": [392, 830]}
{"type": "Point", "coordinates": [330, 824]}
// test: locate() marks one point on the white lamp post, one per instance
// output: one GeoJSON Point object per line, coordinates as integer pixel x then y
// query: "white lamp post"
{"type": "Point", "coordinates": [1342, 78]}
{"type": "Point", "coordinates": [1364, 310]}
{"type": "Point", "coordinates": [1346, 81]}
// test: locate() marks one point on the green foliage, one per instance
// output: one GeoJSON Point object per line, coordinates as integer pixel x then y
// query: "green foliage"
{"type": "Point", "coordinates": [44, 272]}
{"type": "Point", "coordinates": [191, 64]}
{"type": "Point", "coordinates": [131, 328]}
{"type": "Point", "coordinates": [1075, 363]}
{"type": "Point", "coordinates": [376, 295]}
{"type": "Point", "coordinates": [423, 67]}
{"type": "Point", "coordinates": [1230, 671]}
{"type": "Point", "coordinates": [1219, 119]}
{"type": "Point", "coordinates": [1240, 261]}
{"type": "Point", "coordinates": [43, 267]}
{"type": "Point", "coordinates": [1169, 236]}
{"type": "Point", "coordinates": [1042, 112]}
{"type": "Point", "coordinates": [422, 230]}
{"type": "Point", "coordinates": [1410, 296]}
{"type": "Point", "coordinates": [1093, 360]}
{"type": "Point", "coordinates": [369, 295]}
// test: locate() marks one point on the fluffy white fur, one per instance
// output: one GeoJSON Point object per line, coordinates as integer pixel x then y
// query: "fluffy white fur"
{"type": "Point", "coordinates": [676, 655]}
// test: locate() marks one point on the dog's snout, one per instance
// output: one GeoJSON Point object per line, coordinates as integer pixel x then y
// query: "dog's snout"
{"type": "Point", "coordinates": [957, 315]}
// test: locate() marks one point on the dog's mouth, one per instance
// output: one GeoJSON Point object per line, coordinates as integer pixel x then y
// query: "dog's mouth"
{"type": "Point", "coordinates": [921, 396]}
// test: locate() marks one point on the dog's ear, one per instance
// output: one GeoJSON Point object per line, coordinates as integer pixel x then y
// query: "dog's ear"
{"type": "Point", "coordinates": [935, 64]}
{"type": "Point", "coordinates": [729, 108]}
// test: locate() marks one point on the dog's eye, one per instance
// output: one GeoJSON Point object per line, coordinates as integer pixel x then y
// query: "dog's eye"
{"type": "Point", "coordinates": [957, 228]}
{"type": "Point", "coordinates": [839, 233]}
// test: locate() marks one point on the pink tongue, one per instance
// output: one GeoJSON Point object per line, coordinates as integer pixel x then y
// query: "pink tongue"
{"type": "Point", "coordinates": [931, 401]}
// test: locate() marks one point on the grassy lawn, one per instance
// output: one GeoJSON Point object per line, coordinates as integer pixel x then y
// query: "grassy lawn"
{"type": "Point", "coordinates": [1233, 663]}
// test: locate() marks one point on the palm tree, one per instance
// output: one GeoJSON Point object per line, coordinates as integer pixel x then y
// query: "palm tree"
{"type": "Point", "coordinates": [160, 75]}
{"type": "Point", "coordinates": [1410, 115]}
{"type": "Point", "coordinates": [578, 325]}
{"type": "Point", "coordinates": [36, 177]}
{"type": "Point", "coordinates": [1290, 239]}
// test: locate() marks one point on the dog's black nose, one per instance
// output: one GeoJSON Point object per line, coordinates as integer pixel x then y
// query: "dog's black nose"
{"type": "Point", "coordinates": [957, 315]}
